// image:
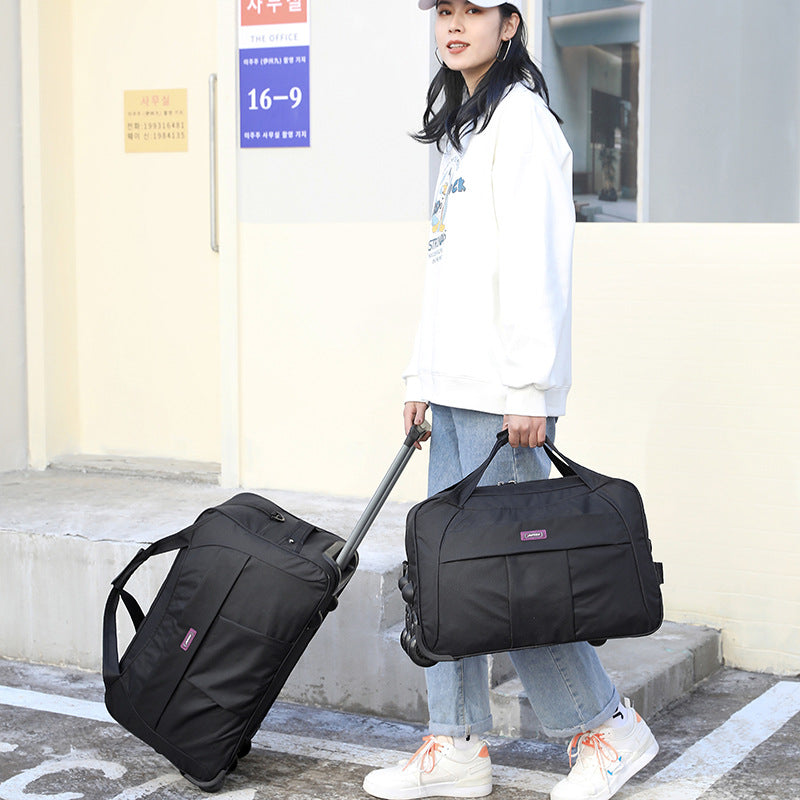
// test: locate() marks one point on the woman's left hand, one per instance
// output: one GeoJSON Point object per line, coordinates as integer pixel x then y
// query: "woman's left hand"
{"type": "Point", "coordinates": [525, 431]}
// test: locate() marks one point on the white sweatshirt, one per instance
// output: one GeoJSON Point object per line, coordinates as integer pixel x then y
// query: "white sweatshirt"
{"type": "Point", "coordinates": [495, 333]}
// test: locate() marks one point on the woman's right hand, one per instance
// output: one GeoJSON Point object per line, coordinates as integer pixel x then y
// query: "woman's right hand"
{"type": "Point", "coordinates": [414, 414]}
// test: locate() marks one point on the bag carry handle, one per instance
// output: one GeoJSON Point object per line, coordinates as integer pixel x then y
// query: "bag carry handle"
{"type": "Point", "coordinates": [566, 466]}
{"type": "Point", "coordinates": [176, 541]}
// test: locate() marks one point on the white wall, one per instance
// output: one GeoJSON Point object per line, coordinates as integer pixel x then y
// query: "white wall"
{"type": "Point", "coordinates": [13, 418]}
{"type": "Point", "coordinates": [725, 105]}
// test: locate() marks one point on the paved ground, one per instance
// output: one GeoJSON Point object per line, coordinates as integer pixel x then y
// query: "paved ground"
{"type": "Point", "coordinates": [736, 737]}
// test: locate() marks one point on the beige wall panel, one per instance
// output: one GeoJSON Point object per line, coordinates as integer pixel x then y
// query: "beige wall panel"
{"type": "Point", "coordinates": [686, 363]}
{"type": "Point", "coordinates": [328, 319]}
{"type": "Point", "coordinates": [13, 419]}
{"type": "Point", "coordinates": [50, 237]}
{"type": "Point", "coordinates": [148, 315]}
{"type": "Point", "coordinates": [686, 381]}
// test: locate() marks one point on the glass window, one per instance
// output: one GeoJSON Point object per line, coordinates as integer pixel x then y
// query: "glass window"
{"type": "Point", "coordinates": [607, 179]}
{"type": "Point", "coordinates": [591, 63]}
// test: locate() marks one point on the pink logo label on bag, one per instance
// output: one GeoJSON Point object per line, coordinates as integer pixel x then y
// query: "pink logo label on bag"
{"type": "Point", "coordinates": [532, 536]}
{"type": "Point", "coordinates": [188, 639]}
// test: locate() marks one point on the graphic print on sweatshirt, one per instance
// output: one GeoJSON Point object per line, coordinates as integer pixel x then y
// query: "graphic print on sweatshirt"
{"type": "Point", "coordinates": [449, 183]}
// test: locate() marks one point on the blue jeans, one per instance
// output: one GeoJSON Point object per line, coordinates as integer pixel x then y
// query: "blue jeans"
{"type": "Point", "coordinates": [566, 684]}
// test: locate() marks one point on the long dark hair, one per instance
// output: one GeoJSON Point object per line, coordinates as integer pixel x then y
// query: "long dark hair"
{"type": "Point", "coordinates": [452, 117]}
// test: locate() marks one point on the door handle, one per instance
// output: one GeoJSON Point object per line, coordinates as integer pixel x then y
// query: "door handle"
{"type": "Point", "coordinates": [212, 159]}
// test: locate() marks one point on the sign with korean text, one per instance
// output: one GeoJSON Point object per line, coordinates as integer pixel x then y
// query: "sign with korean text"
{"type": "Point", "coordinates": [274, 81]}
{"type": "Point", "coordinates": [156, 121]}
{"type": "Point", "coordinates": [274, 12]}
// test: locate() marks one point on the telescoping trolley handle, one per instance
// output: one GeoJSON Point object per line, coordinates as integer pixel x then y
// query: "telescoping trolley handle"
{"type": "Point", "coordinates": [381, 493]}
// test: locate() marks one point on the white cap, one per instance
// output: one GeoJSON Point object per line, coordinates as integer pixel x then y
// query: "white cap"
{"type": "Point", "coordinates": [426, 4]}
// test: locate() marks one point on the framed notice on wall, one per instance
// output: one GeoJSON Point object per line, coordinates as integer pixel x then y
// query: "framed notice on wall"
{"type": "Point", "coordinates": [156, 121]}
{"type": "Point", "coordinates": [274, 73]}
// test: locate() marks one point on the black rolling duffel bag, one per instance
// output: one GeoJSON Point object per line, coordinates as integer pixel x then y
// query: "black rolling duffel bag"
{"type": "Point", "coordinates": [497, 568]}
{"type": "Point", "coordinates": [249, 587]}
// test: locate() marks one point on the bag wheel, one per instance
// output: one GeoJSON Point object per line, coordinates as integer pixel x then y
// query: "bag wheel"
{"type": "Point", "coordinates": [214, 785]}
{"type": "Point", "coordinates": [417, 657]}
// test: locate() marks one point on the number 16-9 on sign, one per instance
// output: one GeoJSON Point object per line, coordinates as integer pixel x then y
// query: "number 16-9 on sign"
{"type": "Point", "coordinates": [274, 102]}
{"type": "Point", "coordinates": [265, 99]}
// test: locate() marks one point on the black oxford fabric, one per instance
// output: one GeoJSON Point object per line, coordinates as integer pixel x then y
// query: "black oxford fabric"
{"type": "Point", "coordinates": [497, 568]}
{"type": "Point", "coordinates": [249, 587]}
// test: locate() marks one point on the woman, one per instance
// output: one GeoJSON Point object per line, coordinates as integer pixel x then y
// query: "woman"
{"type": "Point", "coordinates": [492, 352]}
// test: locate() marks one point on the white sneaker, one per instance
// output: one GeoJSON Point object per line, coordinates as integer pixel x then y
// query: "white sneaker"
{"type": "Point", "coordinates": [606, 758]}
{"type": "Point", "coordinates": [437, 769]}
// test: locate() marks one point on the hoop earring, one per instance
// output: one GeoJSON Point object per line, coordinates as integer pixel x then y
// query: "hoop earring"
{"type": "Point", "coordinates": [439, 58]}
{"type": "Point", "coordinates": [505, 55]}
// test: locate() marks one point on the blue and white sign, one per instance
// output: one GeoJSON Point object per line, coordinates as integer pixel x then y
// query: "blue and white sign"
{"type": "Point", "coordinates": [274, 73]}
{"type": "Point", "coordinates": [274, 97]}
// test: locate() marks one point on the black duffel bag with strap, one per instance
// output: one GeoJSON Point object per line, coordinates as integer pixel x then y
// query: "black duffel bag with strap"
{"type": "Point", "coordinates": [498, 568]}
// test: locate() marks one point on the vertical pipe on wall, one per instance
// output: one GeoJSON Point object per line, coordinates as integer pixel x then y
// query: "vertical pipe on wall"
{"type": "Point", "coordinates": [212, 160]}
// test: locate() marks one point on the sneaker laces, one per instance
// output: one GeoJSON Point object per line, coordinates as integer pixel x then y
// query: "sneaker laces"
{"type": "Point", "coordinates": [605, 753]}
{"type": "Point", "coordinates": [426, 754]}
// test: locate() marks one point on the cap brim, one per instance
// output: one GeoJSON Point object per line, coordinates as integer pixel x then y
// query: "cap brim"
{"type": "Point", "coordinates": [427, 4]}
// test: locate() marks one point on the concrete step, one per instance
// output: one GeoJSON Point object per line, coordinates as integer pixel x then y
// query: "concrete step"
{"type": "Point", "coordinates": [64, 534]}
{"type": "Point", "coordinates": [354, 664]}
{"type": "Point", "coordinates": [653, 671]}
{"type": "Point", "coordinates": [128, 466]}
